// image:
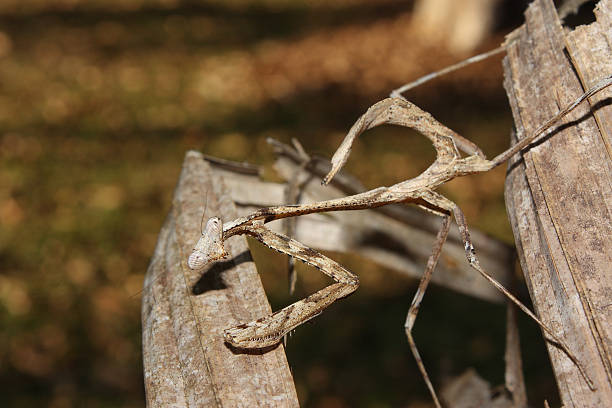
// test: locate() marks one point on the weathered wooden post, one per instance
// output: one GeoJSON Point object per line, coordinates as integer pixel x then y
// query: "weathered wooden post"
{"type": "Point", "coordinates": [186, 362]}
{"type": "Point", "coordinates": [559, 193]}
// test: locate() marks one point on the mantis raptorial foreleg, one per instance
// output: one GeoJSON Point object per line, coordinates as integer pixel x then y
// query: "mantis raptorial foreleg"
{"type": "Point", "coordinates": [269, 330]}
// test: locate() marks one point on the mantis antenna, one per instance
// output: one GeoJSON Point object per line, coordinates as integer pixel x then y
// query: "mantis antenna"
{"type": "Point", "coordinates": [204, 212]}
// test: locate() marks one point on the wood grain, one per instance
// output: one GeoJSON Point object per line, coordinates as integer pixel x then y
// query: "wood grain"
{"type": "Point", "coordinates": [186, 362]}
{"type": "Point", "coordinates": [559, 192]}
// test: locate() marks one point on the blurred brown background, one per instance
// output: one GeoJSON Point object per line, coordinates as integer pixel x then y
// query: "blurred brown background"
{"type": "Point", "coordinates": [99, 101]}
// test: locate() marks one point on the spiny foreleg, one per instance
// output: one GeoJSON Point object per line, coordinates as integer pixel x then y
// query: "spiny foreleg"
{"type": "Point", "coordinates": [269, 330]}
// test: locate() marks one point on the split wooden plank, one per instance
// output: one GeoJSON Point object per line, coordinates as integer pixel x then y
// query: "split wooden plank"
{"type": "Point", "coordinates": [559, 192]}
{"type": "Point", "coordinates": [186, 362]}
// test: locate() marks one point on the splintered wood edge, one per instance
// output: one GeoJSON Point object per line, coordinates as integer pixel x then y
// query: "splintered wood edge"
{"type": "Point", "coordinates": [186, 362]}
{"type": "Point", "coordinates": [566, 272]}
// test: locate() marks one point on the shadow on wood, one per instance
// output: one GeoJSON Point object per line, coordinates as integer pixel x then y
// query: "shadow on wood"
{"type": "Point", "coordinates": [559, 193]}
{"type": "Point", "coordinates": [186, 362]}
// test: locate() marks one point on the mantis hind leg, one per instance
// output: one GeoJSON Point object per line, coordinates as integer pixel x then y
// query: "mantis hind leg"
{"type": "Point", "coordinates": [470, 253]}
{"type": "Point", "coordinates": [418, 297]}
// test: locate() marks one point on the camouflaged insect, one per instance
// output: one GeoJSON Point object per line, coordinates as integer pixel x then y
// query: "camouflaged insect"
{"type": "Point", "coordinates": [449, 163]}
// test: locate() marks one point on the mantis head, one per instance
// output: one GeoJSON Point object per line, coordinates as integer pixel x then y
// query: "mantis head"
{"type": "Point", "coordinates": [210, 245]}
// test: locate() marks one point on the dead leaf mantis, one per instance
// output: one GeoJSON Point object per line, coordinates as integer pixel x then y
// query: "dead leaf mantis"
{"type": "Point", "coordinates": [421, 191]}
